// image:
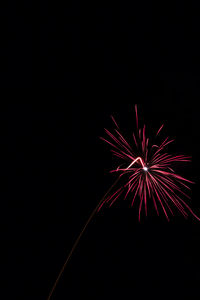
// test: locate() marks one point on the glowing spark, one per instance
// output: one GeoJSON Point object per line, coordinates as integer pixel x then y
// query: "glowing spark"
{"type": "Point", "coordinates": [160, 129]}
{"type": "Point", "coordinates": [134, 161]}
{"type": "Point", "coordinates": [150, 174]}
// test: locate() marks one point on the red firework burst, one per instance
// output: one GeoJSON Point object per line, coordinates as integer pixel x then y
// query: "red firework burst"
{"type": "Point", "coordinates": [149, 174]}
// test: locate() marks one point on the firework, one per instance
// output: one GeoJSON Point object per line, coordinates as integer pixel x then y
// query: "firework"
{"type": "Point", "coordinates": [149, 172]}
{"type": "Point", "coordinates": [149, 176]}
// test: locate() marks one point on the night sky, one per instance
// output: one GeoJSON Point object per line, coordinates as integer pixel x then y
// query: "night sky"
{"type": "Point", "coordinates": [68, 68]}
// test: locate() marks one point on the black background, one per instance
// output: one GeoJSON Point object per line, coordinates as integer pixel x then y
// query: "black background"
{"type": "Point", "coordinates": [73, 66]}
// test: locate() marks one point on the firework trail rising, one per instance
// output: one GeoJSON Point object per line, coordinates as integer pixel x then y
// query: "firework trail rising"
{"type": "Point", "coordinates": [149, 172]}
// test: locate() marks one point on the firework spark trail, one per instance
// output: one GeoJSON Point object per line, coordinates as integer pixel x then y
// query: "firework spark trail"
{"type": "Point", "coordinates": [150, 174]}
{"type": "Point", "coordinates": [159, 130]}
{"type": "Point", "coordinates": [78, 240]}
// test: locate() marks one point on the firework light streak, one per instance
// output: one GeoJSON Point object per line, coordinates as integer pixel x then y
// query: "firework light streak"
{"type": "Point", "coordinates": [150, 173]}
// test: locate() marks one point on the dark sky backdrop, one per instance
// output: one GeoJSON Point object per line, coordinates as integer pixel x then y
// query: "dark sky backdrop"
{"type": "Point", "coordinates": [74, 66]}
